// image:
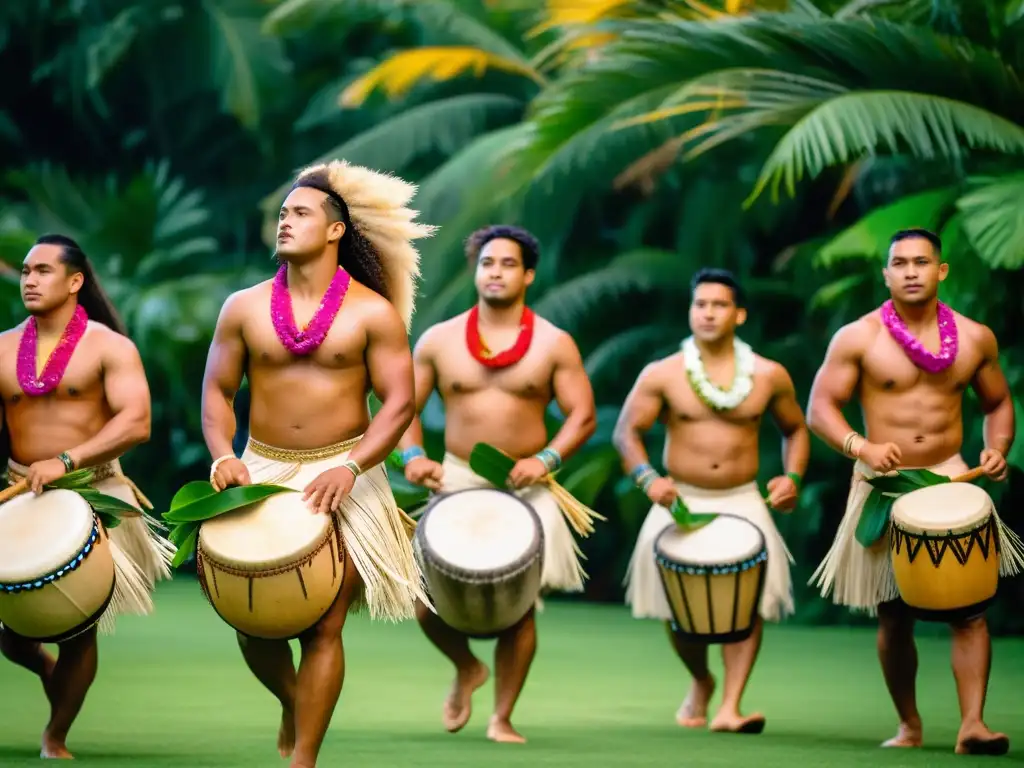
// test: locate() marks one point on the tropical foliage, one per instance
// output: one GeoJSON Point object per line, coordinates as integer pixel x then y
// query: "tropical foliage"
{"type": "Point", "coordinates": [639, 139]}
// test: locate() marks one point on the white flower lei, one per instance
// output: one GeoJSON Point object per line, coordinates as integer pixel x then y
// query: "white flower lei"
{"type": "Point", "coordinates": [714, 397]}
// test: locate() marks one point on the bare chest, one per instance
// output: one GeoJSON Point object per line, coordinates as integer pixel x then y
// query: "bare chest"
{"type": "Point", "coordinates": [459, 373]}
{"type": "Point", "coordinates": [683, 404]}
{"type": "Point", "coordinates": [82, 379]}
{"type": "Point", "coordinates": [342, 348]}
{"type": "Point", "coordinates": [887, 367]}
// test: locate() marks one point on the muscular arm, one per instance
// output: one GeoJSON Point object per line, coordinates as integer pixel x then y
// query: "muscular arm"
{"type": "Point", "coordinates": [834, 385]}
{"type": "Point", "coordinates": [575, 397]}
{"type": "Point", "coordinates": [424, 381]}
{"type": "Point", "coordinates": [993, 392]}
{"type": "Point", "coordinates": [789, 417]}
{"type": "Point", "coordinates": [641, 409]}
{"type": "Point", "coordinates": [225, 366]}
{"type": "Point", "coordinates": [389, 363]}
{"type": "Point", "coordinates": [127, 394]}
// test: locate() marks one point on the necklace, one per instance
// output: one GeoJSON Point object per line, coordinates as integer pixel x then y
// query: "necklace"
{"type": "Point", "coordinates": [506, 357]}
{"type": "Point", "coordinates": [914, 349]}
{"type": "Point", "coordinates": [712, 396]}
{"type": "Point", "coordinates": [309, 339]}
{"type": "Point", "coordinates": [56, 363]}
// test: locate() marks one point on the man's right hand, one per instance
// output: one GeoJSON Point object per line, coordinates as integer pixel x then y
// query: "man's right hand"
{"type": "Point", "coordinates": [230, 472]}
{"type": "Point", "coordinates": [425, 472]}
{"type": "Point", "coordinates": [881, 457]}
{"type": "Point", "coordinates": [662, 491]}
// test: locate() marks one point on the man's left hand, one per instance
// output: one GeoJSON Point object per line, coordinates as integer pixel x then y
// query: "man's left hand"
{"type": "Point", "coordinates": [45, 472]}
{"type": "Point", "coordinates": [329, 489]}
{"type": "Point", "coordinates": [782, 493]}
{"type": "Point", "coordinates": [994, 464]}
{"type": "Point", "coordinates": [527, 472]}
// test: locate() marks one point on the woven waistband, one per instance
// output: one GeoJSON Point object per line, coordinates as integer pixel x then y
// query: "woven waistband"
{"type": "Point", "coordinates": [304, 455]}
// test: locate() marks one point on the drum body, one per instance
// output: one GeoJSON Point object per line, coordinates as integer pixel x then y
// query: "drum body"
{"type": "Point", "coordinates": [714, 577]}
{"type": "Point", "coordinates": [481, 551]}
{"type": "Point", "coordinates": [944, 546]}
{"type": "Point", "coordinates": [271, 570]}
{"type": "Point", "coordinates": [56, 569]}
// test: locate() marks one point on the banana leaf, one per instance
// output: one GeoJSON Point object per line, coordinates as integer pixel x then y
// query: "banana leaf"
{"type": "Point", "coordinates": [492, 464]}
{"type": "Point", "coordinates": [874, 517]}
{"type": "Point", "coordinates": [197, 502]}
{"type": "Point", "coordinates": [107, 508]}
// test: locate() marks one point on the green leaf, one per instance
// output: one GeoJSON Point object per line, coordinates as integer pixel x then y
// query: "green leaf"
{"type": "Point", "coordinates": [689, 520]}
{"type": "Point", "coordinates": [923, 477]}
{"type": "Point", "coordinates": [208, 507]}
{"type": "Point", "coordinates": [80, 478]}
{"type": "Point", "coordinates": [897, 483]}
{"type": "Point", "coordinates": [186, 548]}
{"type": "Point", "coordinates": [993, 219]}
{"type": "Point", "coordinates": [193, 491]}
{"type": "Point", "coordinates": [491, 464]}
{"type": "Point", "coordinates": [874, 517]}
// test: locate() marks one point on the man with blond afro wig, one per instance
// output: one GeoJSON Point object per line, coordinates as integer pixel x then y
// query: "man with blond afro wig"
{"type": "Point", "coordinates": [347, 280]}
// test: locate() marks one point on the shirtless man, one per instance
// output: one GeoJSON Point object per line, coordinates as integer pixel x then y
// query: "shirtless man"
{"type": "Point", "coordinates": [911, 398]}
{"type": "Point", "coordinates": [81, 402]}
{"type": "Point", "coordinates": [500, 397]}
{"type": "Point", "coordinates": [711, 455]}
{"type": "Point", "coordinates": [346, 279]}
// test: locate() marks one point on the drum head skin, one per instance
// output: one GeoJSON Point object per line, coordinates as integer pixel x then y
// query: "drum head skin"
{"type": "Point", "coordinates": [955, 507]}
{"type": "Point", "coordinates": [276, 531]}
{"type": "Point", "coordinates": [41, 534]}
{"type": "Point", "coordinates": [480, 529]}
{"type": "Point", "coordinates": [726, 540]}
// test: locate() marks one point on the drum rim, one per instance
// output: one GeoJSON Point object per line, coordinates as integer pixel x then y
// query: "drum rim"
{"type": "Point", "coordinates": [730, 566]}
{"type": "Point", "coordinates": [937, 534]}
{"type": "Point", "coordinates": [274, 570]}
{"type": "Point", "coordinates": [55, 574]}
{"type": "Point", "coordinates": [515, 568]}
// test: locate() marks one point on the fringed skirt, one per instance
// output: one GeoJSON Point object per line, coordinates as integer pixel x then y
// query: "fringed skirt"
{"type": "Point", "coordinates": [141, 556]}
{"type": "Point", "coordinates": [645, 592]}
{"type": "Point", "coordinates": [862, 578]}
{"type": "Point", "coordinates": [375, 532]}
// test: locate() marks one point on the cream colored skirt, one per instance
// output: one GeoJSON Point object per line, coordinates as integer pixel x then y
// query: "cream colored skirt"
{"type": "Point", "coordinates": [562, 570]}
{"type": "Point", "coordinates": [644, 589]}
{"type": "Point", "coordinates": [373, 528]}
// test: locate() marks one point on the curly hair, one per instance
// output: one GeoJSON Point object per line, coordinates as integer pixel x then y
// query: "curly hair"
{"type": "Point", "coordinates": [529, 248]}
{"type": "Point", "coordinates": [356, 254]}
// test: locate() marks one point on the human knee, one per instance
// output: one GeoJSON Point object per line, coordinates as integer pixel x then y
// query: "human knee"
{"type": "Point", "coordinates": [969, 626]}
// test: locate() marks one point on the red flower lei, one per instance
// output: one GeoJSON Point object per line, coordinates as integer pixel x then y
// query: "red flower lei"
{"type": "Point", "coordinates": [506, 357]}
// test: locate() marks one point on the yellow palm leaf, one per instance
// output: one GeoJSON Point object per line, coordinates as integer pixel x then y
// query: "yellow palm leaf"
{"type": "Point", "coordinates": [398, 73]}
{"type": "Point", "coordinates": [569, 13]}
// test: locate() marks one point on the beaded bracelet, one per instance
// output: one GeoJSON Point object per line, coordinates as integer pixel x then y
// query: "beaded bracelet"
{"type": "Point", "coordinates": [643, 476]}
{"type": "Point", "coordinates": [551, 458]}
{"type": "Point", "coordinates": [410, 453]}
{"type": "Point", "coordinates": [218, 462]}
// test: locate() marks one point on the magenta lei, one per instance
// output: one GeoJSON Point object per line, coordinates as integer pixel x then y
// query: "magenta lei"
{"type": "Point", "coordinates": [57, 363]}
{"type": "Point", "coordinates": [309, 339]}
{"type": "Point", "coordinates": [916, 351]}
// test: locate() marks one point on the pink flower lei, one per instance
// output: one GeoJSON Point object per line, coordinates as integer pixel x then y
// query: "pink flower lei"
{"type": "Point", "coordinates": [309, 339]}
{"type": "Point", "coordinates": [57, 363]}
{"type": "Point", "coordinates": [915, 350]}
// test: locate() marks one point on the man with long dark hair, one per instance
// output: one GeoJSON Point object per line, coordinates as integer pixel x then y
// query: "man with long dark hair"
{"type": "Point", "coordinates": [75, 396]}
{"type": "Point", "coordinates": [344, 242]}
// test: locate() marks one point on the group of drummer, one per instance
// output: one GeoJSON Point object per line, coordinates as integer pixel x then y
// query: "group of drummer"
{"type": "Point", "coordinates": [333, 326]}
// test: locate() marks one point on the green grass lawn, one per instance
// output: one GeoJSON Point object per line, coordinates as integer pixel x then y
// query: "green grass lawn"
{"type": "Point", "coordinates": [173, 691]}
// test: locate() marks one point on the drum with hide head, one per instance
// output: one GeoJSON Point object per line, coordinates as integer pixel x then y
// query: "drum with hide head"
{"type": "Point", "coordinates": [713, 577]}
{"type": "Point", "coordinates": [271, 569]}
{"type": "Point", "coordinates": [481, 551]}
{"type": "Point", "coordinates": [945, 550]}
{"type": "Point", "coordinates": [56, 569]}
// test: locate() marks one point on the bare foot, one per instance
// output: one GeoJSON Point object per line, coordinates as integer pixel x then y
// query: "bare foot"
{"type": "Point", "coordinates": [54, 749]}
{"type": "Point", "coordinates": [979, 740]}
{"type": "Point", "coordinates": [286, 734]}
{"type": "Point", "coordinates": [502, 732]}
{"type": "Point", "coordinates": [458, 706]}
{"type": "Point", "coordinates": [906, 736]}
{"type": "Point", "coordinates": [694, 711]}
{"type": "Point", "coordinates": [734, 722]}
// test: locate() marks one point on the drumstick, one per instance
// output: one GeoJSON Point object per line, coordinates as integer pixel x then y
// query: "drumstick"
{"type": "Point", "coordinates": [15, 490]}
{"type": "Point", "coordinates": [966, 477]}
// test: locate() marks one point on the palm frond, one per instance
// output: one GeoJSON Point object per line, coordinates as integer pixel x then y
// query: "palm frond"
{"type": "Point", "coordinates": [574, 13]}
{"type": "Point", "coordinates": [626, 352]}
{"type": "Point", "coordinates": [398, 73]}
{"type": "Point", "coordinates": [993, 219]}
{"type": "Point", "coordinates": [851, 126]}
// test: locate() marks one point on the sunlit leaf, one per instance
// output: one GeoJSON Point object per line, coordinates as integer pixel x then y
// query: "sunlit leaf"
{"type": "Point", "coordinates": [993, 219]}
